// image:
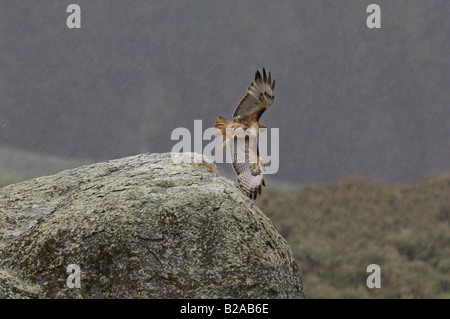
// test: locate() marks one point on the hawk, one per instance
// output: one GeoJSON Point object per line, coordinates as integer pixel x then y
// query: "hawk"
{"type": "Point", "coordinates": [243, 133]}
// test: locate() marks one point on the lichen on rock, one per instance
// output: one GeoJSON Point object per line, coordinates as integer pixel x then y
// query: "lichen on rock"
{"type": "Point", "coordinates": [144, 226]}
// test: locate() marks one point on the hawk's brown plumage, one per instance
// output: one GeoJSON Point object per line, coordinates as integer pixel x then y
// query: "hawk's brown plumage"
{"type": "Point", "coordinates": [247, 163]}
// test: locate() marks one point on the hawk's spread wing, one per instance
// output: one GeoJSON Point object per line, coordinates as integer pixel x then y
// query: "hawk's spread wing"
{"type": "Point", "coordinates": [248, 166]}
{"type": "Point", "coordinates": [258, 98]}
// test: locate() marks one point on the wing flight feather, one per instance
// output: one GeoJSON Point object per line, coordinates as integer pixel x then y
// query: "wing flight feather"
{"type": "Point", "coordinates": [258, 98]}
{"type": "Point", "coordinates": [248, 166]}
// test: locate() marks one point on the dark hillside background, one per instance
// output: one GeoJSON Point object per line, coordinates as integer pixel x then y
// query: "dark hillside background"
{"type": "Point", "coordinates": [348, 99]}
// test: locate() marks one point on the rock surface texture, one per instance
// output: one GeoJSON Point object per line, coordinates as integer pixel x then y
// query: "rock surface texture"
{"type": "Point", "coordinates": [140, 227]}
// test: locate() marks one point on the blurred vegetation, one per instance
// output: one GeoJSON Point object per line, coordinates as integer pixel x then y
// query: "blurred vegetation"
{"type": "Point", "coordinates": [336, 230]}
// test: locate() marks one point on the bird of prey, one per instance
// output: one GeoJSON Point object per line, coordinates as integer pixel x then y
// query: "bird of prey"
{"type": "Point", "coordinates": [243, 133]}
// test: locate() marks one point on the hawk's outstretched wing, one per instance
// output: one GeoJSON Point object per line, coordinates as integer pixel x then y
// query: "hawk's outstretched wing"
{"type": "Point", "coordinates": [247, 163]}
{"type": "Point", "coordinates": [248, 166]}
{"type": "Point", "coordinates": [258, 98]}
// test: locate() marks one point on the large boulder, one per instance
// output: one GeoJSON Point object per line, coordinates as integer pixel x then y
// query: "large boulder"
{"type": "Point", "coordinates": [144, 226]}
